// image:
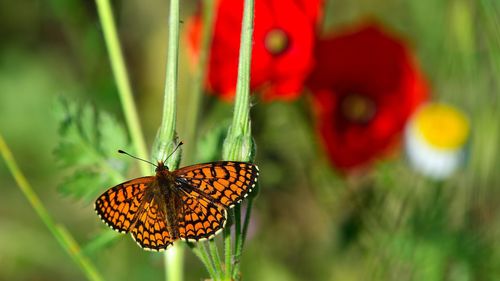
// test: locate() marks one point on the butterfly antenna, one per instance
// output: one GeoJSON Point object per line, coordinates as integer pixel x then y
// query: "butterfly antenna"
{"type": "Point", "coordinates": [175, 149]}
{"type": "Point", "coordinates": [135, 157]}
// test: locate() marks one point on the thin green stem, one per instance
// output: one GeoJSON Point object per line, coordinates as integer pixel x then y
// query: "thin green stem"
{"type": "Point", "coordinates": [202, 253]}
{"type": "Point", "coordinates": [246, 223]}
{"type": "Point", "coordinates": [214, 253]}
{"type": "Point", "coordinates": [237, 223]}
{"type": "Point", "coordinates": [241, 237]}
{"type": "Point", "coordinates": [227, 253]}
{"type": "Point", "coordinates": [237, 238]}
{"type": "Point", "coordinates": [60, 233]}
{"type": "Point", "coordinates": [121, 77]}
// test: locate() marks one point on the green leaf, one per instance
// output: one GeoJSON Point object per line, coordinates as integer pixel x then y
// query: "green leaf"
{"type": "Point", "coordinates": [112, 136]}
{"type": "Point", "coordinates": [87, 149]}
{"type": "Point", "coordinates": [87, 124]}
{"type": "Point", "coordinates": [72, 149]}
{"type": "Point", "coordinates": [84, 184]}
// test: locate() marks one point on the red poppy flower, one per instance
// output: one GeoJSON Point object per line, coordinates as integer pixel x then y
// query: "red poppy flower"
{"type": "Point", "coordinates": [365, 84]}
{"type": "Point", "coordinates": [282, 52]}
{"type": "Point", "coordinates": [312, 8]}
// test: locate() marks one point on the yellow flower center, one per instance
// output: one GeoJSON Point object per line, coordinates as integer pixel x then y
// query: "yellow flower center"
{"type": "Point", "coordinates": [442, 126]}
{"type": "Point", "coordinates": [276, 41]}
{"type": "Point", "coordinates": [357, 108]}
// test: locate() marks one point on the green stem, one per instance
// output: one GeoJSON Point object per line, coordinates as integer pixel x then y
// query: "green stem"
{"type": "Point", "coordinates": [246, 223]}
{"type": "Point", "coordinates": [238, 143]}
{"type": "Point", "coordinates": [122, 81]}
{"type": "Point", "coordinates": [240, 124]}
{"type": "Point", "coordinates": [202, 253]}
{"type": "Point", "coordinates": [173, 262]}
{"type": "Point", "coordinates": [60, 233]}
{"type": "Point", "coordinates": [165, 141]}
{"type": "Point", "coordinates": [167, 129]}
{"type": "Point", "coordinates": [227, 253]}
{"type": "Point", "coordinates": [237, 239]}
{"type": "Point", "coordinates": [241, 236]}
{"type": "Point", "coordinates": [214, 253]}
{"type": "Point", "coordinates": [237, 224]}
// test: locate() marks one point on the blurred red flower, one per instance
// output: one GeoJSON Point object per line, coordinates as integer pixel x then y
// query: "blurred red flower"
{"type": "Point", "coordinates": [365, 86]}
{"type": "Point", "coordinates": [284, 35]}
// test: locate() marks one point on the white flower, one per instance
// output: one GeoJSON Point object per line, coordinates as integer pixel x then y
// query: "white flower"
{"type": "Point", "coordinates": [436, 138]}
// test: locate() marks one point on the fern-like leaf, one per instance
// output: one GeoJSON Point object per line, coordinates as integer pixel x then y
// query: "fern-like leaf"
{"type": "Point", "coordinates": [87, 149]}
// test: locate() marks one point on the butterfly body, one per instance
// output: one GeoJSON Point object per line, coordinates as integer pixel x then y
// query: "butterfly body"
{"type": "Point", "coordinates": [189, 203]}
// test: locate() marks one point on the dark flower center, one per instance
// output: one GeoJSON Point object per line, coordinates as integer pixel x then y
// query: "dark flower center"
{"type": "Point", "coordinates": [276, 41]}
{"type": "Point", "coordinates": [357, 108]}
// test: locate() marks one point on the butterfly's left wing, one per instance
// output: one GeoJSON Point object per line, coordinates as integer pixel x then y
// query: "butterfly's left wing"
{"type": "Point", "coordinates": [224, 183]}
{"type": "Point", "coordinates": [118, 206]}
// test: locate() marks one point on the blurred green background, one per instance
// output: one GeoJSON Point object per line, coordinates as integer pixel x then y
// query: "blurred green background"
{"type": "Point", "coordinates": [309, 223]}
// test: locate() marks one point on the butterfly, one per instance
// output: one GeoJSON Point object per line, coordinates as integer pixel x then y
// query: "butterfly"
{"type": "Point", "coordinates": [190, 203]}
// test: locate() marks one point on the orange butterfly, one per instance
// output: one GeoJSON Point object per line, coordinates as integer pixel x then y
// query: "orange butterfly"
{"type": "Point", "coordinates": [189, 203]}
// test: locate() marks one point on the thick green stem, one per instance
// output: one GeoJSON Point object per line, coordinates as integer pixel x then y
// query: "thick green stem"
{"type": "Point", "coordinates": [60, 233]}
{"type": "Point", "coordinates": [121, 77]}
{"type": "Point", "coordinates": [238, 143]}
{"type": "Point", "coordinates": [241, 122]}
{"type": "Point", "coordinates": [165, 141]}
{"type": "Point", "coordinates": [173, 262]}
{"type": "Point", "coordinates": [167, 130]}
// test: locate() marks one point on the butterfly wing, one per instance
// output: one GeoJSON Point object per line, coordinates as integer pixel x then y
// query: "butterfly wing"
{"type": "Point", "coordinates": [118, 206]}
{"type": "Point", "coordinates": [150, 228]}
{"type": "Point", "coordinates": [200, 219]}
{"type": "Point", "coordinates": [224, 182]}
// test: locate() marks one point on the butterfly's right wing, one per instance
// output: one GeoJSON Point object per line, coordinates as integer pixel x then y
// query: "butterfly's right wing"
{"type": "Point", "coordinates": [118, 206]}
{"type": "Point", "coordinates": [224, 182]}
